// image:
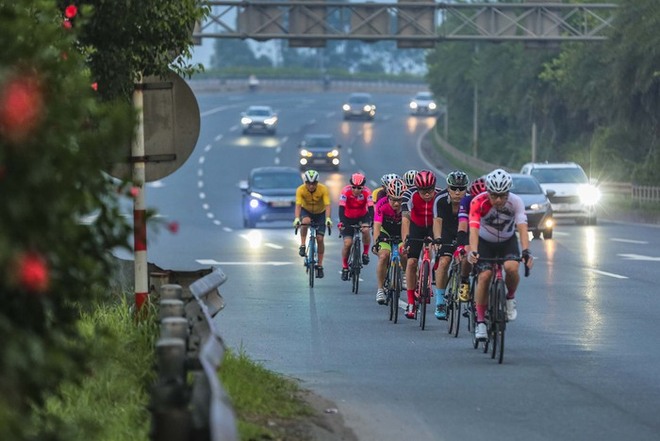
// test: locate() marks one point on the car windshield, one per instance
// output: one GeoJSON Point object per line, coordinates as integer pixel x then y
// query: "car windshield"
{"type": "Point", "coordinates": [258, 112]}
{"type": "Point", "coordinates": [525, 186]}
{"type": "Point", "coordinates": [424, 96]}
{"type": "Point", "coordinates": [358, 99]}
{"type": "Point", "coordinates": [319, 142]}
{"type": "Point", "coordinates": [560, 175]}
{"type": "Point", "coordinates": [276, 180]}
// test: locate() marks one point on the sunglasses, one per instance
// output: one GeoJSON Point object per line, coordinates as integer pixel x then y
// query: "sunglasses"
{"type": "Point", "coordinates": [395, 199]}
{"type": "Point", "coordinates": [311, 183]}
{"type": "Point", "coordinates": [457, 188]}
{"type": "Point", "coordinates": [499, 195]}
{"type": "Point", "coordinates": [427, 190]}
{"type": "Point", "coordinates": [357, 187]}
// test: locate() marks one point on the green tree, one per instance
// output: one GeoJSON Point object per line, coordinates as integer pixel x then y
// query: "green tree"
{"type": "Point", "coordinates": [66, 77]}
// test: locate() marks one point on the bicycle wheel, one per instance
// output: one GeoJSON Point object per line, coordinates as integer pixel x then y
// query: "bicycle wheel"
{"type": "Point", "coordinates": [387, 286]}
{"type": "Point", "coordinates": [425, 294]}
{"type": "Point", "coordinates": [452, 301]}
{"type": "Point", "coordinates": [500, 290]}
{"type": "Point", "coordinates": [396, 291]}
{"type": "Point", "coordinates": [356, 264]}
{"type": "Point", "coordinates": [311, 261]}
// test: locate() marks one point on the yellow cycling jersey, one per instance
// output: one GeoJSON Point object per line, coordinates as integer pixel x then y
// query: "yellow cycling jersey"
{"type": "Point", "coordinates": [314, 202]}
{"type": "Point", "coordinates": [378, 194]}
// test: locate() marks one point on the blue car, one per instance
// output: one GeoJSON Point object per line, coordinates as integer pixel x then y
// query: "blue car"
{"type": "Point", "coordinates": [269, 194]}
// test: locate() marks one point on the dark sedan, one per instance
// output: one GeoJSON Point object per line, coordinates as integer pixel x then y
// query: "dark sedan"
{"type": "Point", "coordinates": [319, 151]}
{"type": "Point", "coordinates": [269, 194]}
{"type": "Point", "coordinates": [537, 205]}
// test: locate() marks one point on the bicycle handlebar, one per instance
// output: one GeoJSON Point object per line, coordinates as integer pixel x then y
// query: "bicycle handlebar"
{"type": "Point", "coordinates": [313, 225]}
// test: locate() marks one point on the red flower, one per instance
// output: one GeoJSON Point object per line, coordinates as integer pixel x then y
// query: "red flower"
{"type": "Point", "coordinates": [21, 106]}
{"type": "Point", "coordinates": [95, 86]}
{"type": "Point", "coordinates": [67, 24]}
{"type": "Point", "coordinates": [70, 11]}
{"type": "Point", "coordinates": [33, 273]}
{"type": "Point", "coordinates": [173, 227]}
{"type": "Point", "coordinates": [134, 192]}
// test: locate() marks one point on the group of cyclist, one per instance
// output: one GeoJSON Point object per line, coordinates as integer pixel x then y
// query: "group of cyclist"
{"type": "Point", "coordinates": [465, 220]}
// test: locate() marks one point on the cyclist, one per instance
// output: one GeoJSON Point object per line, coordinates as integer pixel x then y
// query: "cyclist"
{"type": "Point", "coordinates": [409, 179]}
{"type": "Point", "coordinates": [381, 191]}
{"type": "Point", "coordinates": [445, 226]}
{"type": "Point", "coordinates": [313, 205]}
{"type": "Point", "coordinates": [494, 217]}
{"type": "Point", "coordinates": [477, 186]}
{"type": "Point", "coordinates": [387, 223]}
{"type": "Point", "coordinates": [355, 207]}
{"type": "Point", "coordinates": [417, 223]}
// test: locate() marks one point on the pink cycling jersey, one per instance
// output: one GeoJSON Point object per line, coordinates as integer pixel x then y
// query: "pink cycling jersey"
{"type": "Point", "coordinates": [355, 206]}
{"type": "Point", "coordinates": [496, 225]}
{"type": "Point", "coordinates": [383, 212]}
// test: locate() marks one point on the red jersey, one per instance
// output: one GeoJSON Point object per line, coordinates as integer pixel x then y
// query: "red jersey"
{"type": "Point", "coordinates": [421, 212]}
{"type": "Point", "coordinates": [355, 206]}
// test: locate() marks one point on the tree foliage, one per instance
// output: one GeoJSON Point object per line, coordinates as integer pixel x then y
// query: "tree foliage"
{"type": "Point", "coordinates": [594, 102]}
{"type": "Point", "coordinates": [66, 76]}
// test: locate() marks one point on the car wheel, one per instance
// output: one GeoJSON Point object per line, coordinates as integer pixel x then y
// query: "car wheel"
{"type": "Point", "coordinates": [547, 234]}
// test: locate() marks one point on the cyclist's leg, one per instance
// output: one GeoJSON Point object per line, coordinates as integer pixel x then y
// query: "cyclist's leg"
{"type": "Point", "coordinates": [441, 284]}
{"type": "Point", "coordinates": [511, 250]}
{"type": "Point", "coordinates": [366, 239]}
{"type": "Point", "coordinates": [383, 263]}
{"type": "Point", "coordinates": [486, 250]}
{"type": "Point", "coordinates": [347, 234]}
{"type": "Point", "coordinates": [319, 219]}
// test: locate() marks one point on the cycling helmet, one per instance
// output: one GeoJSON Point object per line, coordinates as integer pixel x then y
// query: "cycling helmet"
{"type": "Point", "coordinates": [477, 186]}
{"type": "Point", "coordinates": [425, 179]}
{"type": "Point", "coordinates": [458, 179]}
{"type": "Point", "coordinates": [396, 188]}
{"type": "Point", "coordinates": [358, 179]}
{"type": "Point", "coordinates": [311, 176]}
{"type": "Point", "coordinates": [409, 177]}
{"type": "Point", "coordinates": [498, 181]}
{"type": "Point", "coordinates": [386, 179]}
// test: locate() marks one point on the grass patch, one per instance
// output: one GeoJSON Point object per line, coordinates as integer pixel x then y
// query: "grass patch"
{"type": "Point", "coordinates": [266, 403]}
{"type": "Point", "coordinates": [111, 402]}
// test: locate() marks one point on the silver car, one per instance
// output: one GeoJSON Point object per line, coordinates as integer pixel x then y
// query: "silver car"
{"type": "Point", "coordinates": [259, 119]}
{"type": "Point", "coordinates": [423, 104]}
{"type": "Point", "coordinates": [537, 205]}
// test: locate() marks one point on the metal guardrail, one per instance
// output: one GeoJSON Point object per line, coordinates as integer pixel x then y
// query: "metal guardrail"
{"type": "Point", "coordinates": [188, 401]}
{"type": "Point", "coordinates": [639, 193]}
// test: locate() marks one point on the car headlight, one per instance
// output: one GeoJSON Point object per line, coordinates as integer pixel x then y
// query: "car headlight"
{"type": "Point", "coordinates": [306, 153]}
{"type": "Point", "coordinates": [333, 154]}
{"type": "Point", "coordinates": [346, 107]}
{"type": "Point", "coordinates": [413, 105]}
{"type": "Point", "coordinates": [589, 195]}
{"type": "Point", "coordinates": [432, 106]}
{"type": "Point", "coordinates": [270, 121]}
{"type": "Point", "coordinates": [246, 120]}
{"type": "Point", "coordinates": [368, 108]}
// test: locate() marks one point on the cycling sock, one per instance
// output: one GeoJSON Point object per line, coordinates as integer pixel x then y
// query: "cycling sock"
{"type": "Point", "coordinates": [481, 313]}
{"type": "Point", "coordinates": [411, 296]}
{"type": "Point", "coordinates": [366, 249]}
{"type": "Point", "coordinates": [344, 261]}
{"type": "Point", "coordinates": [511, 294]}
{"type": "Point", "coordinates": [439, 296]}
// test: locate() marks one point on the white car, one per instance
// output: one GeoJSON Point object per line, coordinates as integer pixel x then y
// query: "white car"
{"type": "Point", "coordinates": [575, 197]}
{"type": "Point", "coordinates": [423, 104]}
{"type": "Point", "coordinates": [259, 118]}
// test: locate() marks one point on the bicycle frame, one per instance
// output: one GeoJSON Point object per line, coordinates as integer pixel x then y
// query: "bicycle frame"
{"type": "Point", "coordinates": [311, 259]}
{"type": "Point", "coordinates": [452, 300]}
{"type": "Point", "coordinates": [393, 278]}
{"type": "Point", "coordinates": [424, 290]}
{"type": "Point", "coordinates": [355, 257]}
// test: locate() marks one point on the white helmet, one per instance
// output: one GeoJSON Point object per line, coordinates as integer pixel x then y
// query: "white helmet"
{"type": "Point", "coordinates": [386, 179]}
{"type": "Point", "coordinates": [498, 181]}
{"type": "Point", "coordinates": [409, 177]}
{"type": "Point", "coordinates": [311, 176]}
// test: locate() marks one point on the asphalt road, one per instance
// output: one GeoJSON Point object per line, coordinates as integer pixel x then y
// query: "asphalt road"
{"type": "Point", "coordinates": [581, 362]}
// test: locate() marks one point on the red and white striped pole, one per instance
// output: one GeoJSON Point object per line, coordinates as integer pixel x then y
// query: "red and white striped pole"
{"type": "Point", "coordinates": [139, 205]}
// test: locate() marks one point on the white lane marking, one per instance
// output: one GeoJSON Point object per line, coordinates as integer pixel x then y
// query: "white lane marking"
{"type": "Point", "coordinates": [274, 246]}
{"type": "Point", "coordinates": [200, 184]}
{"type": "Point", "coordinates": [227, 229]}
{"type": "Point", "coordinates": [278, 149]}
{"type": "Point", "coordinates": [201, 159]}
{"type": "Point", "coordinates": [207, 148]}
{"type": "Point", "coordinates": [641, 242]}
{"type": "Point", "coordinates": [200, 172]}
{"type": "Point", "coordinates": [217, 222]}
{"type": "Point", "coordinates": [639, 257]}
{"type": "Point", "coordinates": [210, 215]}
{"type": "Point", "coordinates": [256, 262]}
{"type": "Point", "coordinates": [218, 138]}
{"type": "Point", "coordinates": [603, 273]}
{"type": "Point", "coordinates": [202, 195]}
{"type": "Point", "coordinates": [156, 184]}
{"type": "Point", "coordinates": [206, 206]}
{"type": "Point", "coordinates": [214, 110]}
{"type": "Point", "coordinates": [277, 160]}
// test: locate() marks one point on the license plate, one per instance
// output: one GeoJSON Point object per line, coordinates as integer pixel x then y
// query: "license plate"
{"type": "Point", "coordinates": [281, 204]}
{"type": "Point", "coordinates": [319, 161]}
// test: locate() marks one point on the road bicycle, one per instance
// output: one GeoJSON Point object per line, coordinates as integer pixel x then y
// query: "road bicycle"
{"type": "Point", "coordinates": [455, 307]}
{"type": "Point", "coordinates": [394, 278]}
{"type": "Point", "coordinates": [311, 257]}
{"type": "Point", "coordinates": [355, 257]}
{"type": "Point", "coordinates": [424, 288]}
{"type": "Point", "coordinates": [496, 315]}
